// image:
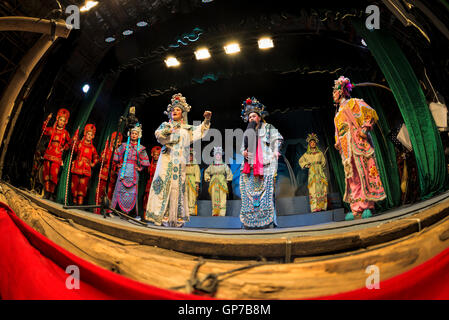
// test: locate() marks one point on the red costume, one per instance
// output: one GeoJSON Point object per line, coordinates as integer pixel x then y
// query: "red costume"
{"type": "Point", "coordinates": [59, 142]}
{"type": "Point", "coordinates": [106, 157]}
{"type": "Point", "coordinates": [86, 158]}
{"type": "Point", "coordinates": [151, 171]}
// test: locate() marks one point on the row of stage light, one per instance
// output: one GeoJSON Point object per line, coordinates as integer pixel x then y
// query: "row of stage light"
{"type": "Point", "coordinates": [231, 48]}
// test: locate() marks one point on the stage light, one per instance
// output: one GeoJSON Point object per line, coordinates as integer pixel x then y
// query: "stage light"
{"type": "Point", "coordinates": [127, 32]}
{"type": "Point", "coordinates": [86, 88]}
{"type": "Point", "coordinates": [265, 43]}
{"type": "Point", "coordinates": [232, 48]}
{"type": "Point", "coordinates": [172, 62]}
{"type": "Point", "coordinates": [201, 54]}
{"type": "Point", "coordinates": [109, 39]}
{"type": "Point", "coordinates": [142, 24]}
{"type": "Point", "coordinates": [88, 5]}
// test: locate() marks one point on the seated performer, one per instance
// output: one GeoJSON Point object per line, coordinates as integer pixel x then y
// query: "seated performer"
{"type": "Point", "coordinates": [59, 142]}
{"type": "Point", "coordinates": [167, 202]}
{"type": "Point", "coordinates": [353, 121]}
{"type": "Point", "coordinates": [86, 159]}
{"type": "Point", "coordinates": [261, 150]}
{"type": "Point", "coordinates": [218, 175]}
{"type": "Point", "coordinates": [193, 179]}
{"type": "Point", "coordinates": [155, 152]}
{"type": "Point", "coordinates": [315, 161]}
{"type": "Point", "coordinates": [104, 171]}
{"type": "Point", "coordinates": [131, 158]}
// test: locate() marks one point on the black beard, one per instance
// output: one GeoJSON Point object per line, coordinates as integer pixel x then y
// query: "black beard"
{"type": "Point", "coordinates": [252, 125]}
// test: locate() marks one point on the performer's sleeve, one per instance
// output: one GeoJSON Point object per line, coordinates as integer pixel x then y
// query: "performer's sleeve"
{"type": "Point", "coordinates": [337, 140]}
{"type": "Point", "coordinates": [95, 157]}
{"type": "Point", "coordinates": [228, 174]}
{"type": "Point", "coordinates": [369, 116]}
{"type": "Point", "coordinates": [118, 154]}
{"type": "Point", "coordinates": [323, 160]}
{"type": "Point", "coordinates": [143, 157]}
{"type": "Point", "coordinates": [303, 161]}
{"type": "Point", "coordinates": [197, 174]}
{"type": "Point", "coordinates": [207, 174]}
{"type": "Point", "coordinates": [276, 139]}
{"type": "Point", "coordinates": [200, 131]}
{"type": "Point", "coordinates": [47, 130]}
{"type": "Point", "coordinates": [69, 141]}
{"type": "Point", "coordinates": [164, 135]}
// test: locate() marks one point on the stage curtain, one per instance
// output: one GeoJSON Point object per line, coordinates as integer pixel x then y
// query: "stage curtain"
{"type": "Point", "coordinates": [403, 82]}
{"type": "Point", "coordinates": [385, 152]}
{"type": "Point", "coordinates": [33, 267]}
{"type": "Point", "coordinates": [80, 121]}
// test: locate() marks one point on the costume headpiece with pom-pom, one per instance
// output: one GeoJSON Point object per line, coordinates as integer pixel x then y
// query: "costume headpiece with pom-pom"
{"type": "Point", "coordinates": [179, 101]}
{"type": "Point", "coordinates": [251, 105]}
{"type": "Point", "coordinates": [312, 136]}
{"type": "Point", "coordinates": [344, 87]}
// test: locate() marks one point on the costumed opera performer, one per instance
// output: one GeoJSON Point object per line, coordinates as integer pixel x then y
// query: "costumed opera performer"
{"type": "Point", "coordinates": [353, 121]}
{"type": "Point", "coordinates": [167, 204]}
{"type": "Point", "coordinates": [218, 175]}
{"type": "Point", "coordinates": [86, 158]}
{"type": "Point", "coordinates": [155, 153]}
{"type": "Point", "coordinates": [261, 150]}
{"type": "Point", "coordinates": [315, 161]}
{"type": "Point", "coordinates": [59, 142]}
{"type": "Point", "coordinates": [106, 162]}
{"type": "Point", "coordinates": [131, 158]}
{"type": "Point", "coordinates": [193, 179]}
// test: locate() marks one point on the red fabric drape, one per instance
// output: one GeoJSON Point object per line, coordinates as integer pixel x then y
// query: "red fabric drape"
{"type": "Point", "coordinates": [33, 267]}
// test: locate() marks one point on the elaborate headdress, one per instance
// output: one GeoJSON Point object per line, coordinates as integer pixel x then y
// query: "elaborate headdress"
{"type": "Point", "coordinates": [251, 105]}
{"type": "Point", "coordinates": [179, 101]}
{"type": "Point", "coordinates": [154, 149]}
{"type": "Point", "coordinates": [90, 127]}
{"type": "Point", "coordinates": [62, 113]}
{"type": "Point", "coordinates": [218, 150]}
{"type": "Point", "coordinates": [344, 86]}
{"type": "Point", "coordinates": [138, 128]}
{"type": "Point", "coordinates": [312, 136]}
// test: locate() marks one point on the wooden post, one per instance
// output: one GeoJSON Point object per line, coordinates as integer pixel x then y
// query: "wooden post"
{"type": "Point", "coordinates": [27, 64]}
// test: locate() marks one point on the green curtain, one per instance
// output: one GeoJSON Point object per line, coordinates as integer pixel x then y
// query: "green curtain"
{"type": "Point", "coordinates": [424, 135]}
{"type": "Point", "coordinates": [112, 122]}
{"type": "Point", "coordinates": [80, 121]}
{"type": "Point", "coordinates": [385, 152]}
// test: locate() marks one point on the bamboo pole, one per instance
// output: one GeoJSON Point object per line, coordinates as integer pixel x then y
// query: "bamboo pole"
{"type": "Point", "coordinates": [44, 26]}
{"type": "Point", "coordinates": [27, 64]}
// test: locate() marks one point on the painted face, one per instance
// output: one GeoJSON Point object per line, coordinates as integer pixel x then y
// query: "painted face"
{"type": "Point", "coordinates": [61, 122]}
{"type": "Point", "coordinates": [336, 96]}
{"type": "Point", "coordinates": [89, 136]}
{"type": "Point", "coordinates": [254, 117]}
{"type": "Point", "coordinates": [312, 143]}
{"type": "Point", "coordinates": [218, 157]}
{"type": "Point", "coordinates": [176, 114]}
{"type": "Point", "coordinates": [134, 135]}
{"type": "Point", "coordinates": [156, 155]}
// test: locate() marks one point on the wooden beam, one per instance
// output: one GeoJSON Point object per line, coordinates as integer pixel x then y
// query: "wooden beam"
{"type": "Point", "coordinates": [35, 25]}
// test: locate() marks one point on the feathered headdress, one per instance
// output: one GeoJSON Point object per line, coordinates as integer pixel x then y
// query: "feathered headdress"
{"type": "Point", "coordinates": [251, 105]}
{"type": "Point", "coordinates": [179, 101]}
{"type": "Point", "coordinates": [218, 150]}
{"type": "Point", "coordinates": [138, 128]}
{"type": "Point", "coordinates": [312, 136]}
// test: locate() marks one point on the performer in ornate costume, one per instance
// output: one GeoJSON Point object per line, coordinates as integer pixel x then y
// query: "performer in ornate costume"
{"type": "Point", "coordinates": [261, 150]}
{"type": "Point", "coordinates": [353, 121]}
{"type": "Point", "coordinates": [315, 161]}
{"type": "Point", "coordinates": [167, 202]}
{"type": "Point", "coordinates": [155, 153]}
{"type": "Point", "coordinates": [106, 160]}
{"type": "Point", "coordinates": [131, 158]}
{"type": "Point", "coordinates": [86, 159]}
{"type": "Point", "coordinates": [59, 142]}
{"type": "Point", "coordinates": [193, 179]}
{"type": "Point", "coordinates": [218, 175]}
